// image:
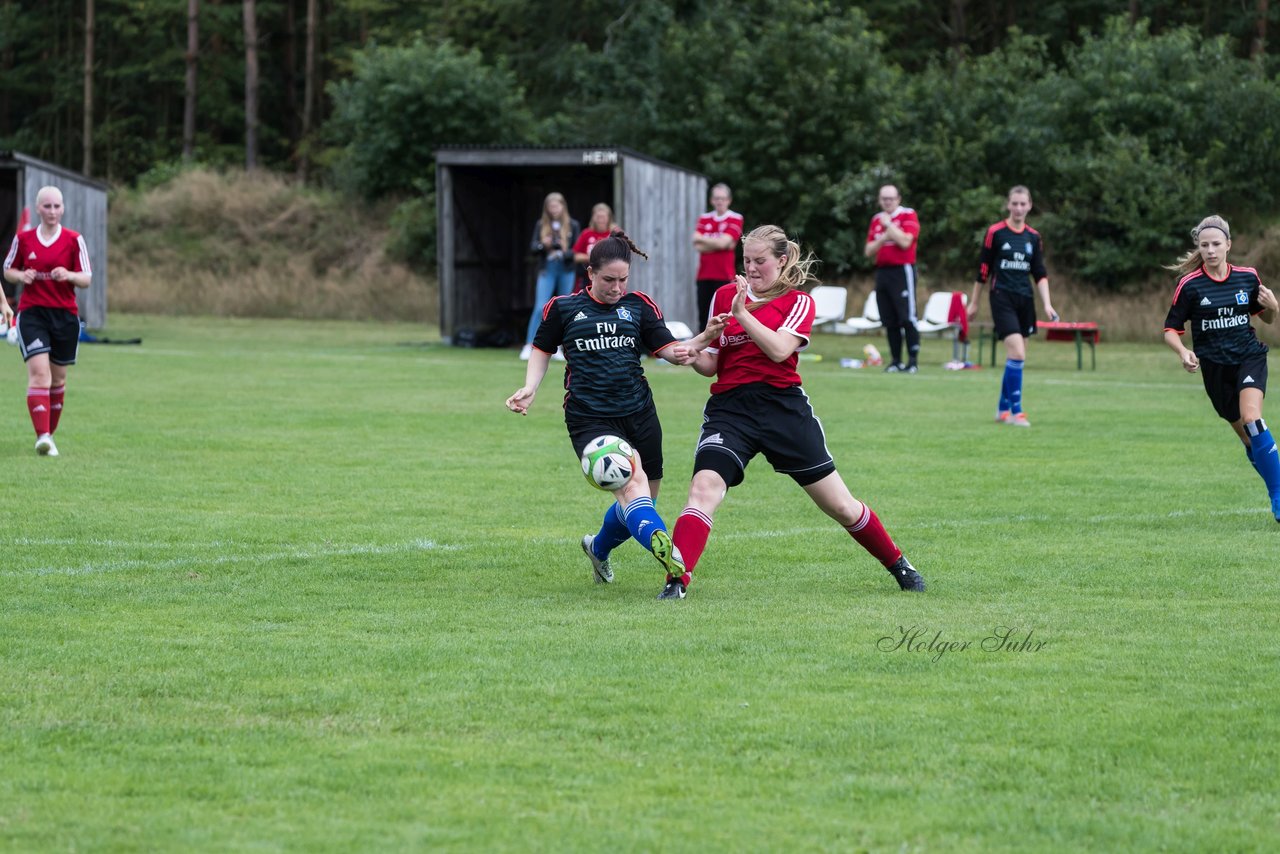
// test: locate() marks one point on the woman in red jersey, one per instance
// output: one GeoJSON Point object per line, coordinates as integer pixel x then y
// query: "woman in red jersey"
{"type": "Point", "coordinates": [1218, 299]}
{"type": "Point", "coordinates": [50, 262]}
{"type": "Point", "coordinates": [757, 405]}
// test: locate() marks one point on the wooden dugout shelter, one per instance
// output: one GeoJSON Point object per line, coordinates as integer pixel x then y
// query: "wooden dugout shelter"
{"type": "Point", "coordinates": [85, 200]}
{"type": "Point", "coordinates": [487, 199]}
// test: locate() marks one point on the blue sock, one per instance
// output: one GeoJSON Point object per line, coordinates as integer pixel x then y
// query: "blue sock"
{"type": "Point", "coordinates": [1266, 459]}
{"type": "Point", "coordinates": [1011, 386]}
{"type": "Point", "coordinates": [642, 520]}
{"type": "Point", "coordinates": [1248, 452]}
{"type": "Point", "coordinates": [613, 532]}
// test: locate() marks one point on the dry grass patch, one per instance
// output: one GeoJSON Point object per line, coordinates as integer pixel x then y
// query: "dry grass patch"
{"type": "Point", "coordinates": [257, 245]}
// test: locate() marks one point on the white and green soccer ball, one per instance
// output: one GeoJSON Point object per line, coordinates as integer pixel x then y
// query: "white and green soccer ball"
{"type": "Point", "coordinates": [608, 463]}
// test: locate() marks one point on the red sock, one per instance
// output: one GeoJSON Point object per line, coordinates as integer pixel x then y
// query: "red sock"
{"type": "Point", "coordinates": [690, 537]}
{"type": "Point", "coordinates": [872, 536]}
{"type": "Point", "coordinates": [55, 405]}
{"type": "Point", "coordinates": [38, 406]}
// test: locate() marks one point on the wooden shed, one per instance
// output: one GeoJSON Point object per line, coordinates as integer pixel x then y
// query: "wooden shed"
{"type": "Point", "coordinates": [489, 197]}
{"type": "Point", "coordinates": [85, 200]}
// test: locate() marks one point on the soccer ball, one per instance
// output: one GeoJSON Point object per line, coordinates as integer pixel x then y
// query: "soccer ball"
{"type": "Point", "coordinates": [608, 463]}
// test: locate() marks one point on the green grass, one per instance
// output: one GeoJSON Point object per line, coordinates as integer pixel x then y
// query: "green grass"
{"type": "Point", "coordinates": [308, 586]}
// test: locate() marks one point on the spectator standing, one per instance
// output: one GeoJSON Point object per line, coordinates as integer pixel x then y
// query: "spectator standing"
{"type": "Point", "coordinates": [891, 241]}
{"type": "Point", "coordinates": [554, 234]}
{"type": "Point", "coordinates": [715, 238]}
{"type": "Point", "coordinates": [600, 226]}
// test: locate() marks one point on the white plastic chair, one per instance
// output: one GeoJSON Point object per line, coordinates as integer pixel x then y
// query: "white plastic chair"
{"type": "Point", "coordinates": [869, 321]}
{"type": "Point", "coordinates": [680, 330]}
{"type": "Point", "coordinates": [829, 304]}
{"type": "Point", "coordinates": [934, 321]}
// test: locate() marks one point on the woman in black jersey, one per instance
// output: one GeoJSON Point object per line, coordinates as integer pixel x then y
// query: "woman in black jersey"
{"type": "Point", "coordinates": [1218, 299]}
{"type": "Point", "coordinates": [1013, 258]}
{"type": "Point", "coordinates": [604, 329]}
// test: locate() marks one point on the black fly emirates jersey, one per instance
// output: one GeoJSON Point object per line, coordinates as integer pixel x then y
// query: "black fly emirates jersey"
{"type": "Point", "coordinates": [1219, 313]}
{"type": "Point", "coordinates": [602, 345]}
{"type": "Point", "coordinates": [1012, 259]}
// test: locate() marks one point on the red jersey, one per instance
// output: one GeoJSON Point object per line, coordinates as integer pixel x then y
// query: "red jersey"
{"type": "Point", "coordinates": [719, 266]}
{"type": "Point", "coordinates": [891, 254]}
{"type": "Point", "coordinates": [30, 252]}
{"type": "Point", "coordinates": [587, 239]}
{"type": "Point", "coordinates": [740, 360]}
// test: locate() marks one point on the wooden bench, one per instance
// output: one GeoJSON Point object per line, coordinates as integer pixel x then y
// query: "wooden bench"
{"type": "Point", "coordinates": [1054, 330]}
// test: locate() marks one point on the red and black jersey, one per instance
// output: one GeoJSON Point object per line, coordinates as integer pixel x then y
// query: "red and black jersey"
{"type": "Point", "coordinates": [719, 266]}
{"type": "Point", "coordinates": [740, 360]}
{"type": "Point", "coordinates": [1219, 312]}
{"type": "Point", "coordinates": [30, 252]}
{"type": "Point", "coordinates": [891, 254]}
{"type": "Point", "coordinates": [1012, 258]}
{"type": "Point", "coordinates": [602, 346]}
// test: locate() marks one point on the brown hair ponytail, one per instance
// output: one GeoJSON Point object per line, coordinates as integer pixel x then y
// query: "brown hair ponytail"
{"type": "Point", "coordinates": [795, 271]}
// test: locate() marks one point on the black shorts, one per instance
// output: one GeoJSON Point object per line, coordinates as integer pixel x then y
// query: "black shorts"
{"type": "Point", "coordinates": [55, 331]}
{"type": "Point", "coordinates": [642, 429]}
{"type": "Point", "coordinates": [1013, 314]}
{"type": "Point", "coordinates": [706, 293]}
{"type": "Point", "coordinates": [1223, 383]}
{"type": "Point", "coordinates": [758, 418]}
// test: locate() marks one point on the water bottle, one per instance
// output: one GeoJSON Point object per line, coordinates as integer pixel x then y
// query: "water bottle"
{"type": "Point", "coordinates": [872, 354]}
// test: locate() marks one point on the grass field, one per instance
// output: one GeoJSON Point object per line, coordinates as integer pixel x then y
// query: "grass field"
{"type": "Point", "coordinates": [308, 586]}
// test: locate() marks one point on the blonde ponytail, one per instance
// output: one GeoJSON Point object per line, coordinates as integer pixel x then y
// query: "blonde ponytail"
{"type": "Point", "coordinates": [795, 272]}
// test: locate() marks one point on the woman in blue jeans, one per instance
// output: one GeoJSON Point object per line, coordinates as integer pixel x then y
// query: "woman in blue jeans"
{"type": "Point", "coordinates": [554, 234]}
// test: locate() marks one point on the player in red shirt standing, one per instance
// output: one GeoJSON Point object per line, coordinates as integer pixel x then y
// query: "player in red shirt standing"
{"type": "Point", "coordinates": [715, 238]}
{"type": "Point", "coordinates": [891, 241]}
{"type": "Point", "coordinates": [757, 406]}
{"type": "Point", "coordinates": [50, 262]}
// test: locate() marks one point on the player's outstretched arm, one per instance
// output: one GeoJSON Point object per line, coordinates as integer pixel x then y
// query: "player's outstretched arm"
{"type": "Point", "coordinates": [520, 402]}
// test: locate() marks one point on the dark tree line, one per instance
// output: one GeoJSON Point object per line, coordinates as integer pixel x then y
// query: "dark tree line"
{"type": "Point", "coordinates": [804, 105]}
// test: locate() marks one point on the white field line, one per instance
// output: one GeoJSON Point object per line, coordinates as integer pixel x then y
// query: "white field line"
{"type": "Point", "coordinates": [422, 545]}
{"type": "Point", "coordinates": [230, 558]}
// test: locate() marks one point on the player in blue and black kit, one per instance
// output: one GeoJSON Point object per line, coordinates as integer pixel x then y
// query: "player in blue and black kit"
{"type": "Point", "coordinates": [1218, 299]}
{"type": "Point", "coordinates": [604, 329]}
{"type": "Point", "coordinates": [1013, 257]}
